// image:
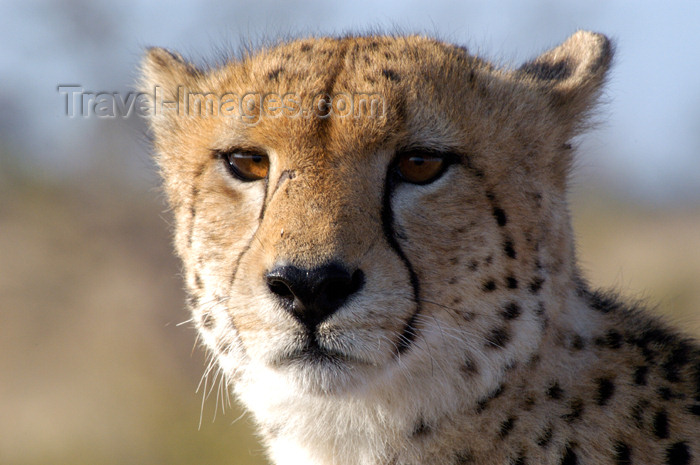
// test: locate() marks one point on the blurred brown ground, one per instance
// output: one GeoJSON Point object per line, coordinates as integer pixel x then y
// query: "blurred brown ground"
{"type": "Point", "coordinates": [94, 368]}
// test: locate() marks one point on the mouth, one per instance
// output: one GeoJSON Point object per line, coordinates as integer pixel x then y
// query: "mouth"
{"type": "Point", "coordinates": [310, 353]}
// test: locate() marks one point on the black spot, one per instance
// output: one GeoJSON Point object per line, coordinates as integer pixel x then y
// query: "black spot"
{"type": "Point", "coordinates": [533, 360]}
{"type": "Point", "coordinates": [192, 301]}
{"type": "Point", "coordinates": [544, 439]}
{"type": "Point", "coordinates": [537, 197]}
{"type": "Point", "coordinates": [637, 413]}
{"type": "Point", "coordinates": [602, 302]}
{"type": "Point", "coordinates": [536, 285]}
{"type": "Point", "coordinates": [463, 457]}
{"type": "Point", "coordinates": [555, 391]}
{"type": "Point", "coordinates": [473, 265]}
{"type": "Point", "coordinates": [694, 409]}
{"type": "Point", "coordinates": [421, 429]}
{"type": "Point", "coordinates": [569, 457]}
{"type": "Point", "coordinates": [489, 260]}
{"type": "Point", "coordinates": [274, 74]}
{"type": "Point", "coordinates": [483, 403]}
{"type": "Point", "coordinates": [539, 311]}
{"type": "Point", "coordinates": [208, 321]}
{"type": "Point", "coordinates": [511, 311]}
{"type": "Point", "coordinates": [678, 359]}
{"type": "Point", "coordinates": [577, 342]}
{"type": "Point", "coordinates": [454, 260]}
{"type": "Point", "coordinates": [469, 367]}
{"type": "Point", "coordinates": [649, 355]}
{"type": "Point", "coordinates": [667, 394]}
{"type": "Point", "coordinates": [508, 249]}
{"type": "Point", "coordinates": [506, 427]}
{"type": "Point", "coordinates": [391, 75]}
{"type": "Point", "coordinates": [678, 454]}
{"type": "Point", "coordinates": [489, 286]}
{"type": "Point", "coordinates": [622, 453]}
{"type": "Point", "coordinates": [511, 282]}
{"type": "Point", "coordinates": [528, 403]}
{"type": "Point", "coordinates": [606, 388]}
{"type": "Point", "coordinates": [500, 216]}
{"type": "Point", "coordinates": [471, 79]}
{"type": "Point", "coordinates": [661, 424]}
{"type": "Point", "coordinates": [657, 336]}
{"type": "Point", "coordinates": [696, 377]}
{"type": "Point", "coordinates": [198, 281]}
{"type": "Point", "coordinates": [498, 338]}
{"type": "Point", "coordinates": [611, 340]}
{"type": "Point", "coordinates": [511, 365]}
{"type": "Point", "coordinates": [305, 47]}
{"type": "Point", "coordinates": [520, 460]}
{"type": "Point", "coordinates": [575, 411]}
{"type": "Point", "coordinates": [640, 375]}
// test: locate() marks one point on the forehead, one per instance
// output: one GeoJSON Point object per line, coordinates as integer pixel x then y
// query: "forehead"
{"type": "Point", "coordinates": [348, 95]}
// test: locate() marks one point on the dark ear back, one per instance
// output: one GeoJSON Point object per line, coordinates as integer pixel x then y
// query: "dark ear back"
{"type": "Point", "coordinates": [572, 74]}
{"type": "Point", "coordinates": [162, 73]}
{"type": "Point", "coordinates": [165, 69]}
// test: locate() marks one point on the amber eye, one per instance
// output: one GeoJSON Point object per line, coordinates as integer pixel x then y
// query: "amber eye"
{"type": "Point", "coordinates": [420, 167]}
{"type": "Point", "coordinates": [247, 166]}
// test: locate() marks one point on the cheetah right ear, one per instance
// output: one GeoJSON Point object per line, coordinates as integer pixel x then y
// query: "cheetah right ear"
{"type": "Point", "coordinates": [163, 74]}
{"type": "Point", "coordinates": [572, 74]}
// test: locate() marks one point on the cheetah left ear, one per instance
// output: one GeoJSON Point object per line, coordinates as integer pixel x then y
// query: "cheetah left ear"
{"type": "Point", "coordinates": [166, 73]}
{"type": "Point", "coordinates": [572, 74]}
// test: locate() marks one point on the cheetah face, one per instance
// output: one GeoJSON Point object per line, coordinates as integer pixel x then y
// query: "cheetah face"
{"type": "Point", "coordinates": [326, 290]}
{"type": "Point", "coordinates": [332, 295]}
{"type": "Point", "coordinates": [383, 230]}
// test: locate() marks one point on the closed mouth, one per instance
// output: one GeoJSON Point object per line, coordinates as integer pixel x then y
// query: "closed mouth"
{"type": "Point", "coordinates": [311, 353]}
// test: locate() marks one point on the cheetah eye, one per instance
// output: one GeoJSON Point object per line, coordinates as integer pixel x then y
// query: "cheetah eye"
{"type": "Point", "coordinates": [420, 166]}
{"type": "Point", "coordinates": [247, 165]}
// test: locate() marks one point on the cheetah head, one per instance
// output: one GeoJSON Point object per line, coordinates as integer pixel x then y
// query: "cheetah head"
{"type": "Point", "coordinates": [353, 213]}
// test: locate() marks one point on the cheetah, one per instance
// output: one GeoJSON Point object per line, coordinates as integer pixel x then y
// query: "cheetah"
{"type": "Point", "coordinates": [378, 253]}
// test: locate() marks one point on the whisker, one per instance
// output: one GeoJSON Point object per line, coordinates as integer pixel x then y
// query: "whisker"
{"type": "Point", "coordinates": [184, 322]}
{"type": "Point", "coordinates": [201, 408]}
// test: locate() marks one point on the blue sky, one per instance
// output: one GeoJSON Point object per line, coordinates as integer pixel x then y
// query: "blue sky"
{"type": "Point", "coordinates": [647, 143]}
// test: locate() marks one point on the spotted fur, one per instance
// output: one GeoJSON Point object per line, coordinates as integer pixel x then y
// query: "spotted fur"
{"type": "Point", "coordinates": [470, 337]}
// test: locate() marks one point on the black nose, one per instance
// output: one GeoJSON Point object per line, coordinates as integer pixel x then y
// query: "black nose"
{"type": "Point", "coordinates": [313, 295]}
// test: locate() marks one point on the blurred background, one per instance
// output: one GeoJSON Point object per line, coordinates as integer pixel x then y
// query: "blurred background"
{"type": "Point", "coordinates": [95, 365]}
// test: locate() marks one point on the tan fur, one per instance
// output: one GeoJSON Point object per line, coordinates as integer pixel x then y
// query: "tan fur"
{"type": "Point", "coordinates": [512, 359]}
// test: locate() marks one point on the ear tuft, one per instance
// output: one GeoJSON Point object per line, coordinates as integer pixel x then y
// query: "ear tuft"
{"type": "Point", "coordinates": [572, 73]}
{"type": "Point", "coordinates": [161, 67]}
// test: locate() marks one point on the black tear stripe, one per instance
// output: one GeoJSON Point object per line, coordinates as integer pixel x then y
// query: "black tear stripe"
{"type": "Point", "coordinates": [409, 332]}
{"type": "Point", "coordinates": [264, 202]}
{"type": "Point", "coordinates": [250, 241]}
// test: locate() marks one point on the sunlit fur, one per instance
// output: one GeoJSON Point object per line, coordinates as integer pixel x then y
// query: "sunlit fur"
{"type": "Point", "coordinates": [474, 338]}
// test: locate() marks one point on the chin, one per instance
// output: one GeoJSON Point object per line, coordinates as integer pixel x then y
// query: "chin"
{"type": "Point", "coordinates": [318, 371]}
